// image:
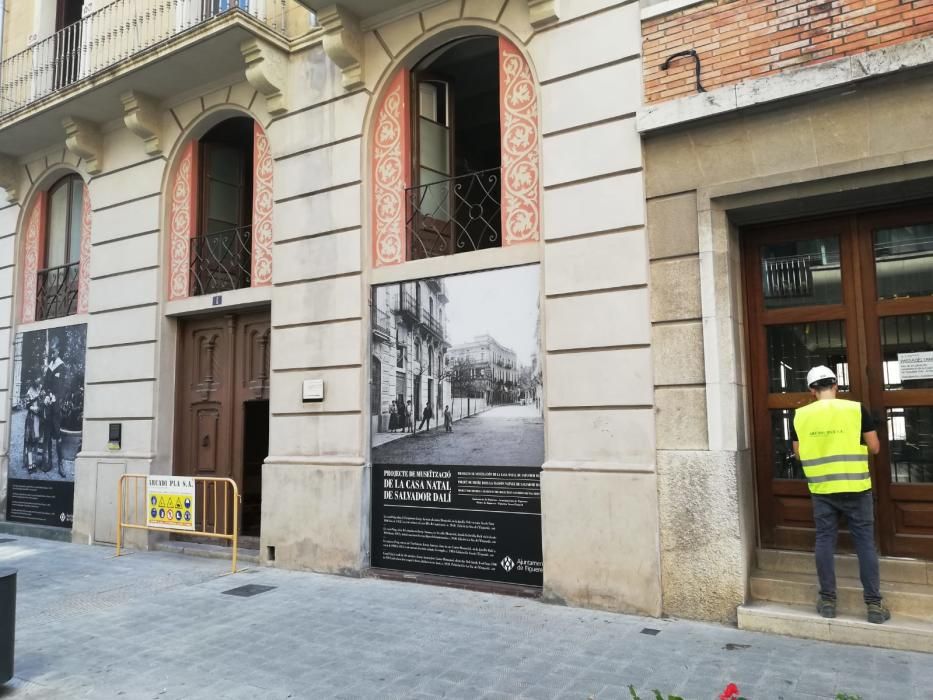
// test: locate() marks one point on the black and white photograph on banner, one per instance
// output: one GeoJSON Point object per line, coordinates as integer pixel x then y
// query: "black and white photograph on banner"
{"type": "Point", "coordinates": [456, 370]}
{"type": "Point", "coordinates": [46, 419]}
{"type": "Point", "coordinates": [457, 426]}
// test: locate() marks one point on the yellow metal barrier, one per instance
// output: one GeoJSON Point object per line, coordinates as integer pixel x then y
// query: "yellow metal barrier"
{"type": "Point", "coordinates": [213, 500]}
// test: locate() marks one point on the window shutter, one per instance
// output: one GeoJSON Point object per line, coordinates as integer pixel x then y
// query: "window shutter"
{"type": "Point", "coordinates": [391, 167]}
{"type": "Point", "coordinates": [519, 130]}
{"type": "Point", "coordinates": [182, 222]}
{"type": "Point", "coordinates": [34, 247]}
{"type": "Point", "coordinates": [261, 274]}
{"type": "Point", "coordinates": [84, 268]}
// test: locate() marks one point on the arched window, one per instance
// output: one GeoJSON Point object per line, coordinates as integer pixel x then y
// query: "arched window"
{"type": "Point", "coordinates": [455, 154]}
{"type": "Point", "coordinates": [221, 215]}
{"type": "Point", "coordinates": [58, 278]}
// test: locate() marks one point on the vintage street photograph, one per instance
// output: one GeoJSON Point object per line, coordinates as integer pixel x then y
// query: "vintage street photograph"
{"type": "Point", "coordinates": [456, 370]}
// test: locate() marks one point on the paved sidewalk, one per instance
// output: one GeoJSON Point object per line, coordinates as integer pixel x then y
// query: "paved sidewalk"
{"type": "Point", "coordinates": [156, 625]}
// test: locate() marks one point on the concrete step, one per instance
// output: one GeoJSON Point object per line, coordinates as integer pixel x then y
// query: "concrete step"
{"type": "Point", "coordinates": [893, 569]}
{"type": "Point", "coordinates": [208, 551]}
{"type": "Point", "coordinates": [900, 632]}
{"type": "Point", "coordinates": [913, 599]}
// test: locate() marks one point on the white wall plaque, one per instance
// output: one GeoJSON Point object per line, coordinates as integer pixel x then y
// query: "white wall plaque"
{"type": "Point", "coordinates": [312, 390]}
{"type": "Point", "coordinates": [915, 365]}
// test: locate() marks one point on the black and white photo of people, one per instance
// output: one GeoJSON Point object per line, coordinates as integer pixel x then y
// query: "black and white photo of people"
{"type": "Point", "coordinates": [48, 403]}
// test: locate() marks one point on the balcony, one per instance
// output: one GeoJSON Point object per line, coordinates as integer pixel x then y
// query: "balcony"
{"type": "Point", "coordinates": [158, 46]}
{"type": "Point", "coordinates": [57, 292]}
{"type": "Point", "coordinates": [456, 215]}
{"type": "Point", "coordinates": [381, 324]}
{"type": "Point", "coordinates": [410, 306]}
{"type": "Point", "coordinates": [432, 324]}
{"type": "Point", "coordinates": [221, 261]}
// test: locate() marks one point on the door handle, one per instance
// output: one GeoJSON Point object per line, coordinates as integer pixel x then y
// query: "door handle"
{"type": "Point", "coordinates": [205, 441]}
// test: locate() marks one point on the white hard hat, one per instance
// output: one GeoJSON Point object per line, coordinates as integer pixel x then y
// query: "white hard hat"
{"type": "Point", "coordinates": [819, 373]}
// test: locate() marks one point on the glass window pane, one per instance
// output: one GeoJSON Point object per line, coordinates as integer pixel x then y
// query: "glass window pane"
{"type": "Point", "coordinates": [801, 273]}
{"type": "Point", "coordinates": [907, 340]}
{"type": "Point", "coordinates": [910, 439]}
{"type": "Point", "coordinates": [77, 212]}
{"type": "Point", "coordinates": [786, 465]}
{"type": "Point", "coordinates": [57, 235]}
{"type": "Point", "coordinates": [434, 148]}
{"type": "Point", "coordinates": [794, 348]}
{"type": "Point", "coordinates": [225, 163]}
{"type": "Point", "coordinates": [434, 195]}
{"type": "Point", "coordinates": [904, 261]}
{"type": "Point", "coordinates": [223, 204]}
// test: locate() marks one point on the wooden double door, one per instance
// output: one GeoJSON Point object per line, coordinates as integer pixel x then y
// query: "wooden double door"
{"type": "Point", "coordinates": [222, 410]}
{"type": "Point", "coordinates": [854, 293]}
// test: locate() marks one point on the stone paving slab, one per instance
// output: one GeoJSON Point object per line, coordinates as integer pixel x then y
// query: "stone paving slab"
{"type": "Point", "coordinates": [156, 626]}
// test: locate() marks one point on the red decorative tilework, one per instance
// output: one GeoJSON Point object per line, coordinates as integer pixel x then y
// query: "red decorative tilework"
{"type": "Point", "coordinates": [391, 167]}
{"type": "Point", "coordinates": [262, 209]}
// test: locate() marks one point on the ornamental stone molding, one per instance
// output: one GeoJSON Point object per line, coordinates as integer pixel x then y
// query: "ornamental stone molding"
{"type": "Point", "coordinates": [82, 137]}
{"type": "Point", "coordinates": [9, 178]}
{"type": "Point", "coordinates": [543, 12]}
{"type": "Point", "coordinates": [343, 43]}
{"type": "Point", "coordinates": [141, 116]}
{"type": "Point", "coordinates": [267, 71]}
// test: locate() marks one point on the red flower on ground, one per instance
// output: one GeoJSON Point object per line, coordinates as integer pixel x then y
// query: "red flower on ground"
{"type": "Point", "coordinates": [730, 693]}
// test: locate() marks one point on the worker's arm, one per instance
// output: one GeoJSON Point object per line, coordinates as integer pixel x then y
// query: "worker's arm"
{"type": "Point", "coordinates": [796, 449]}
{"type": "Point", "coordinates": [871, 441]}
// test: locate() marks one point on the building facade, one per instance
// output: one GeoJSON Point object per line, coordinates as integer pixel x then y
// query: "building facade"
{"type": "Point", "coordinates": [491, 369]}
{"type": "Point", "coordinates": [212, 204]}
{"type": "Point", "coordinates": [787, 183]}
{"type": "Point", "coordinates": [253, 192]}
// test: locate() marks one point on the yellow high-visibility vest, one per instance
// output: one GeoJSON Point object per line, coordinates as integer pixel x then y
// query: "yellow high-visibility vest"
{"type": "Point", "coordinates": [831, 453]}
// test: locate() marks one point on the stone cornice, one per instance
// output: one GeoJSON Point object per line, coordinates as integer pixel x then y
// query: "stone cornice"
{"type": "Point", "coordinates": [82, 137]}
{"type": "Point", "coordinates": [141, 116]}
{"type": "Point", "coordinates": [343, 43]}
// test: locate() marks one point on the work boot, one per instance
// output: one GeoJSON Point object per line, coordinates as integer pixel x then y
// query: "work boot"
{"type": "Point", "coordinates": [826, 607]}
{"type": "Point", "coordinates": [878, 612]}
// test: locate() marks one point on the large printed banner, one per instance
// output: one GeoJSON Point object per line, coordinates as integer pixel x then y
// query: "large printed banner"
{"type": "Point", "coordinates": [457, 428]}
{"type": "Point", "coordinates": [46, 424]}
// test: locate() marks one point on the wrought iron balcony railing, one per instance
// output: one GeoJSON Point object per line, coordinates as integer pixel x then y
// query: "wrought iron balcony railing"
{"type": "Point", "coordinates": [432, 323]}
{"type": "Point", "coordinates": [221, 261]}
{"type": "Point", "coordinates": [110, 35]}
{"type": "Point", "coordinates": [409, 305]}
{"type": "Point", "coordinates": [455, 215]}
{"type": "Point", "coordinates": [57, 291]}
{"type": "Point", "coordinates": [381, 323]}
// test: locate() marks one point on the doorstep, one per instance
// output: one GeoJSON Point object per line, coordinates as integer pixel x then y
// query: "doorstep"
{"type": "Point", "coordinates": [901, 632]}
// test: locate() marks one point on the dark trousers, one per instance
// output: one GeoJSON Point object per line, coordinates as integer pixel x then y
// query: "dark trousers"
{"type": "Point", "coordinates": [858, 510]}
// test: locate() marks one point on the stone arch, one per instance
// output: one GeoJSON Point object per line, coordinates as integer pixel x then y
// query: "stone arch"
{"type": "Point", "coordinates": [33, 227]}
{"type": "Point", "coordinates": [387, 134]}
{"type": "Point", "coordinates": [180, 209]}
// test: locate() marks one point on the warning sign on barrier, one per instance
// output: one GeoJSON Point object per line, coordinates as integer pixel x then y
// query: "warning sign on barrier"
{"type": "Point", "coordinates": [170, 502]}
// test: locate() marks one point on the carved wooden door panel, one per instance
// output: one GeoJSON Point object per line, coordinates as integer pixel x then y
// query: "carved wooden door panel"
{"type": "Point", "coordinates": [205, 398]}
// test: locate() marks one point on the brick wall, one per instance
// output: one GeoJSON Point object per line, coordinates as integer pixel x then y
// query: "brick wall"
{"type": "Point", "coordinates": [741, 39]}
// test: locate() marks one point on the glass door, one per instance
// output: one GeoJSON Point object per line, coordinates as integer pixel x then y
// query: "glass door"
{"type": "Point", "coordinates": [898, 291]}
{"type": "Point", "coordinates": [801, 302]}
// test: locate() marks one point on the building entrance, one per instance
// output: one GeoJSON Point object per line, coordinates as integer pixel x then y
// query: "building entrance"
{"type": "Point", "coordinates": [222, 411]}
{"type": "Point", "coordinates": [854, 293]}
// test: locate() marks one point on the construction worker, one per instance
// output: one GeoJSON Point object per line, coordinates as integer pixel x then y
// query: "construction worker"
{"type": "Point", "coordinates": [832, 438]}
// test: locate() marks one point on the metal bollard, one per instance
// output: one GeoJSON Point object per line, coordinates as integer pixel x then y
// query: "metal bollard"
{"type": "Point", "coordinates": [7, 622]}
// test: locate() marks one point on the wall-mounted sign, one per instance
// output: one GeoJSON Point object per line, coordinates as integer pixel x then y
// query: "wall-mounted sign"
{"type": "Point", "coordinates": [915, 365]}
{"type": "Point", "coordinates": [312, 390]}
{"type": "Point", "coordinates": [170, 502]}
{"type": "Point", "coordinates": [472, 522]}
